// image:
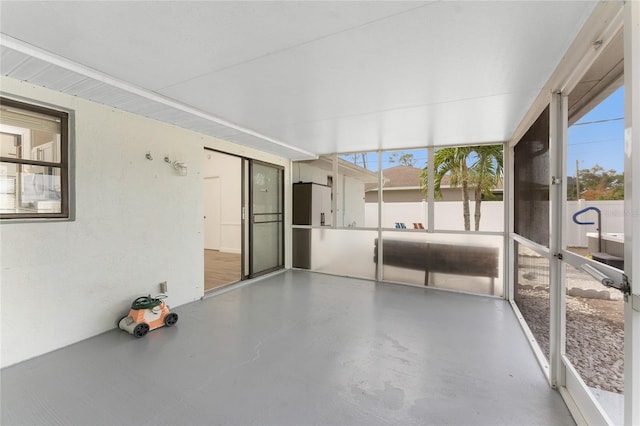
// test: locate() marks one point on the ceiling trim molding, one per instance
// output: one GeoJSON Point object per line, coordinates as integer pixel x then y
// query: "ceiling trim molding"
{"type": "Point", "coordinates": [57, 61]}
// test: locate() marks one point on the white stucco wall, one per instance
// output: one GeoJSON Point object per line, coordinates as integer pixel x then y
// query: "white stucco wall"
{"type": "Point", "coordinates": [137, 223]}
{"type": "Point", "coordinates": [350, 202]}
{"type": "Point", "coordinates": [306, 173]}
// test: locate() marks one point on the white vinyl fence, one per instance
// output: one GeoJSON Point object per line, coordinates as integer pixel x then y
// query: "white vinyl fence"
{"type": "Point", "coordinates": [448, 217]}
{"type": "Point", "coordinates": [612, 213]}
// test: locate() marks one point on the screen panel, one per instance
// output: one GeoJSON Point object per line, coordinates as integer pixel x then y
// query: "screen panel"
{"type": "Point", "coordinates": [531, 182]}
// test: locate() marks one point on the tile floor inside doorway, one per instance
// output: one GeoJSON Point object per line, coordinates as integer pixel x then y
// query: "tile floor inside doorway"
{"type": "Point", "coordinates": [220, 269]}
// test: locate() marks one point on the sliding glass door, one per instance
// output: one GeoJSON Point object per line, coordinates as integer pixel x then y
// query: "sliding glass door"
{"type": "Point", "coordinates": [266, 218]}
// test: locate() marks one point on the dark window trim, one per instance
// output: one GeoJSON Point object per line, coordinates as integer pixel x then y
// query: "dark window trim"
{"type": "Point", "coordinates": [63, 165]}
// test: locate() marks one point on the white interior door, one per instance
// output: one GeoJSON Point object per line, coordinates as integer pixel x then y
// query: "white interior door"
{"type": "Point", "coordinates": [212, 213]}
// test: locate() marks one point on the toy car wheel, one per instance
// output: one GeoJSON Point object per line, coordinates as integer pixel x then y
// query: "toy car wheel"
{"type": "Point", "coordinates": [170, 319]}
{"type": "Point", "coordinates": [120, 320]}
{"type": "Point", "coordinates": [141, 329]}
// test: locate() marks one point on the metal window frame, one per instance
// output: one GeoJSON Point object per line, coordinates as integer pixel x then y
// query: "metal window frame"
{"type": "Point", "coordinates": [63, 165]}
{"type": "Point", "coordinates": [430, 228]}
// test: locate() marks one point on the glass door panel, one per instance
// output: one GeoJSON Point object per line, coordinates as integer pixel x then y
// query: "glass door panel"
{"type": "Point", "coordinates": [595, 182]}
{"type": "Point", "coordinates": [267, 219]}
{"type": "Point", "coordinates": [595, 329]}
{"type": "Point", "coordinates": [594, 336]}
{"type": "Point", "coordinates": [267, 246]}
{"type": "Point", "coordinates": [594, 200]}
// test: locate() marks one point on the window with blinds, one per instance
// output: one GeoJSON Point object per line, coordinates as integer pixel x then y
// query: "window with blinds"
{"type": "Point", "coordinates": [33, 161]}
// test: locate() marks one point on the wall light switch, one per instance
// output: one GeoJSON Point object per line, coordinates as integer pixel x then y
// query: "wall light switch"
{"type": "Point", "coordinates": [163, 287]}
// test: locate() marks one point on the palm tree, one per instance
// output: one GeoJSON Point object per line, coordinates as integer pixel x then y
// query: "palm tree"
{"type": "Point", "coordinates": [479, 167]}
{"type": "Point", "coordinates": [486, 172]}
{"type": "Point", "coordinates": [452, 161]}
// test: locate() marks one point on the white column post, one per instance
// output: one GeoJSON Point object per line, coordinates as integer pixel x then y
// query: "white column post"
{"type": "Point", "coordinates": [380, 211]}
{"type": "Point", "coordinates": [430, 189]}
{"type": "Point", "coordinates": [507, 200]}
{"type": "Point", "coordinates": [337, 194]}
{"type": "Point", "coordinates": [632, 210]}
{"type": "Point", "coordinates": [557, 139]}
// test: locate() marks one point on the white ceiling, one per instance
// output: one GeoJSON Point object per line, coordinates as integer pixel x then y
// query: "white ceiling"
{"type": "Point", "coordinates": [301, 78]}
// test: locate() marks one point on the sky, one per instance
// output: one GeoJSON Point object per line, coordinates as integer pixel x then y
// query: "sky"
{"type": "Point", "coordinates": [597, 138]}
{"type": "Point", "coordinates": [594, 141]}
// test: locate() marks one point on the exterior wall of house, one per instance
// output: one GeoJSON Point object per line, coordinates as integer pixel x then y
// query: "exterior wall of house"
{"type": "Point", "coordinates": [137, 223]}
{"type": "Point", "coordinates": [350, 202]}
{"type": "Point", "coordinates": [306, 173]}
{"type": "Point", "coordinates": [455, 194]}
{"type": "Point", "coordinates": [403, 196]}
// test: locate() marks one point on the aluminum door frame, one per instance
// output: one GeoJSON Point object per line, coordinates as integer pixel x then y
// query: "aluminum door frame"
{"type": "Point", "coordinates": [250, 218]}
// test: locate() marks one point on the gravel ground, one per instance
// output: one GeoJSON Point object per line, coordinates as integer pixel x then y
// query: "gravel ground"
{"type": "Point", "coordinates": [595, 319]}
{"type": "Point", "coordinates": [595, 326]}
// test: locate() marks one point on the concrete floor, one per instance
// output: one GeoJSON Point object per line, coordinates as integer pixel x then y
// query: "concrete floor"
{"type": "Point", "coordinates": [298, 348]}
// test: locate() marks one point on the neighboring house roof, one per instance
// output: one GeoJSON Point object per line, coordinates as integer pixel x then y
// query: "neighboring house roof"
{"type": "Point", "coordinates": [398, 177]}
{"type": "Point", "coordinates": [408, 177]}
{"type": "Point", "coordinates": [401, 176]}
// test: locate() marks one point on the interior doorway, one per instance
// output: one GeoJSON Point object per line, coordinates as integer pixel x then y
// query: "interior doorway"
{"type": "Point", "coordinates": [243, 219]}
{"type": "Point", "coordinates": [222, 219]}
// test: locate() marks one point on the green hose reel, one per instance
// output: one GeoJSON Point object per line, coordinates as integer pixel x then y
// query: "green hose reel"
{"type": "Point", "coordinates": [147, 302]}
